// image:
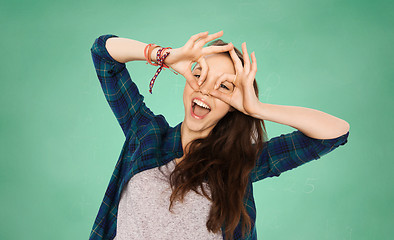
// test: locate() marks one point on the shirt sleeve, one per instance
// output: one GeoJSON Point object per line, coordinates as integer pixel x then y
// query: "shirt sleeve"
{"type": "Point", "coordinates": [120, 91]}
{"type": "Point", "coordinates": [291, 150]}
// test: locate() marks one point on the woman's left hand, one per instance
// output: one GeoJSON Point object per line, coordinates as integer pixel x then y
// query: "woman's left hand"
{"type": "Point", "coordinates": [243, 97]}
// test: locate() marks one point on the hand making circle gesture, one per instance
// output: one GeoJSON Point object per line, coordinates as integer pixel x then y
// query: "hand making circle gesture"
{"type": "Point", "coordinates": [181, 59]}
{"type": "Point", "coordinates": [243, 97]}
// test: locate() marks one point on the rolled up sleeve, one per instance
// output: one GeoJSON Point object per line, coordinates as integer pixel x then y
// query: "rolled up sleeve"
{"type": "Point", "coordinates": [291, 150]}
{"type": "Point", "coordinates": [120, 91]}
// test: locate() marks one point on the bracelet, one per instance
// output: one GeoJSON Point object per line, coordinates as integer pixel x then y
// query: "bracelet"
{"type": "Point", "coordinates": [160, 60]}
{"type": "Point", "coordinates": [150, 47]}
{"type": "Point", "coordinates": [161, 56]}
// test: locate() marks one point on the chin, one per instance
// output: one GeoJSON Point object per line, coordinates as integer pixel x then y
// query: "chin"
{"type": "Point", "coordinates": [196, 125]}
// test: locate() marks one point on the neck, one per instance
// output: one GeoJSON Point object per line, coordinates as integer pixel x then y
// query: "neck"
{"type": "Point", "coordinates": [188, 135]}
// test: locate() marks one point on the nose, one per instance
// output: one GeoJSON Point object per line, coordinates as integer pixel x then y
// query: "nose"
{"type": "Point", "coordinates": [209, 83]}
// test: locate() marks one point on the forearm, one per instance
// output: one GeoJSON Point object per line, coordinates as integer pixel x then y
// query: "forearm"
{"type": "Point", "coordinates": [125, 50]}
{"type": "Point", "coordinates": [311, 122]}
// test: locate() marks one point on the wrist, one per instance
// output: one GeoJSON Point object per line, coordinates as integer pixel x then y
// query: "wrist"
{"type": "Point", "coordinates": [259, 111]}
{"type": "Point", "coordinates": [169, 59]}
{"type": "Point", "coordinates": [153, 55]}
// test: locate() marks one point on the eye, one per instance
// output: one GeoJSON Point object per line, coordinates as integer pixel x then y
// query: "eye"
{"type": "Point", "coordinates": [224, 86]}
{"type": "Point", "coordinates": [197, 75]}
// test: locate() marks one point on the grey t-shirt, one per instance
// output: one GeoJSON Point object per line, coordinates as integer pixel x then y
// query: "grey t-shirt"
{"type": "Point", "coordinates": [143, 209]}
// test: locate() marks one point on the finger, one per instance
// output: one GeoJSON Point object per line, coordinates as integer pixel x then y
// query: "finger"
{"type": "Point", "coordinates": [225, 97]}
{"type": "Point", "coordinates": [237, 61]}
{"type": "Point", "coordinates": [222, 78]}
{"type": "Point", "coordinates": [217, 49]}
{"type": "Point", "coordinates": [201, 42]}
{"type": "Point", "coordinates": [204, 70]}
{"type": "Point", "coordinates": [252, 74]}
{"type": "Point", "coordinates": [192, 39]}
{"type": "Point", "coordinates": [191, 80]}
{"type": "Point", "coordinates": [254, 64]}
{"type": "Point", "coordinates": [246, 58]}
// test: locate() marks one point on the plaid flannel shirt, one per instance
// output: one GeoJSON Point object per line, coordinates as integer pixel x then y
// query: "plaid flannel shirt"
{"type": "Point", "coordinates": [151, 142]}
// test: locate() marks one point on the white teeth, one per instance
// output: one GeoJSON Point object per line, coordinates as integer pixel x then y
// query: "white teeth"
{"type": "Point", "coordinates": [201, 104]}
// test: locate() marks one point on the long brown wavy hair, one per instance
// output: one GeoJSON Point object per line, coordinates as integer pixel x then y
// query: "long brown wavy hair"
{"type": "Point", "coordinates": [223, 160]}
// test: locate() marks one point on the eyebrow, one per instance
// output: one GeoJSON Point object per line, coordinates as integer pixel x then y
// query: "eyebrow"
{"type": "Point", "coordinates": [197, 67]}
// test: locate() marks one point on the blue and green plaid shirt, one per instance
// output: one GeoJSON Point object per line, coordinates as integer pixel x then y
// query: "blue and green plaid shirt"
{"type": "Point", "coordinates": [151, 142]}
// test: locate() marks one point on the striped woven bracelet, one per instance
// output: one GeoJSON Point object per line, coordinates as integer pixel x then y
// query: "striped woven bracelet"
{"type": "Point", "coordinates": [160, 61]}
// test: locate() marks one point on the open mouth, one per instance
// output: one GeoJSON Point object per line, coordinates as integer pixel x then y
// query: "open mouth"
{"type": "Point", "coordinates": [199, 109]}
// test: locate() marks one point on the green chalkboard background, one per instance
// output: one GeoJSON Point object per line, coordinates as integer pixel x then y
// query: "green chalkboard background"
{"type": "Point", "coordinates": [60, 140]}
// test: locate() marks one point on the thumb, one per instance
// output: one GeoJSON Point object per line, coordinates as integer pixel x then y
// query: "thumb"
{"type": "Point", "coordinates": [220, 95]}
{"type": "Point", "coordinates": [191, 80]}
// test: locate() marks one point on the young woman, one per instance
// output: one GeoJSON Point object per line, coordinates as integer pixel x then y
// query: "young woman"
{"type": "Point", "coordinates": [218, 150]}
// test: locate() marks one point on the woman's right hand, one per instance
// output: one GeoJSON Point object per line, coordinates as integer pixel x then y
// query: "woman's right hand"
{"type": "Point", "coordinates": [181, 59]}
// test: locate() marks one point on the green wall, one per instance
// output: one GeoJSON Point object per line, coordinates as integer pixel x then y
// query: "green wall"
{"type": "Point", "coordinates": [60, 141]}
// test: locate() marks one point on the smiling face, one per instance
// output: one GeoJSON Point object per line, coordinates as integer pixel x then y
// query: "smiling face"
{"type": "Point", "coordinates": [200, 119]}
